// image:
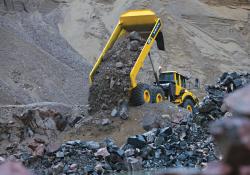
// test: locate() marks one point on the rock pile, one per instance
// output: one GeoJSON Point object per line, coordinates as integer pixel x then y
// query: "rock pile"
{"type": "Point", "coordinates": [232, 137]}
{"type": "Point", "coordinates": [111, 81]}
{"type": "Point", "coordinates": [211, 106]}
{"type": "Point", "coordinates": [71, 157]}
{"type": "Point", "coordinates": [41, 125]}
{"type": "Point", "coordinates": [182, 145]}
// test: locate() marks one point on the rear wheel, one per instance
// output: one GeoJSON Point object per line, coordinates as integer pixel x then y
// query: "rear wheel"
{"type": "Point", "coordinates": [189, 105]}
{"type": "Point", "coordinates": [140, 95]}
{"type": "Point", "coordinates": [157, 94]}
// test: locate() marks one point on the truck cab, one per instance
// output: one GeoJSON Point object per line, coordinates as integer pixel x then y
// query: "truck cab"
{"type": "Point", "coordinates": [172, 77]}
{"type": "Point", "coordinates": [175, 90]}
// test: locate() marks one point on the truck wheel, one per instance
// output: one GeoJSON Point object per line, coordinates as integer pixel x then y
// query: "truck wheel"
{"type": "Point", "coordinates": [157, 94]}
{"type": "Point", "coordinates": [140, 95]}
{"type": "Point", "coordinates": [189, 105]}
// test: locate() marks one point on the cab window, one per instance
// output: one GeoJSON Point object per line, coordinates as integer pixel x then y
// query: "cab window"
{"type": "Point", "coordinates": [183, 82]}
{"type": "Point", "coordinates": [166, 77]}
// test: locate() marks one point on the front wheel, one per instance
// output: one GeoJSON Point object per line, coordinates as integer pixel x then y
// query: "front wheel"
{"type": "Point", "coordinates": [140, 94]}
{"type": "Point", "coordinates": [157, 94]}
{"type": "Point", "coordinates": [189, 105]}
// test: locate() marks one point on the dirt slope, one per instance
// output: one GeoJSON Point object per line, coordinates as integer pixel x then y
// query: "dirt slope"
{"type": "Point", "coordinates": [37, 63]}
{"type": "Point", "coordinates": [227, 2]}
{"type": "Point", "coordinates": [28, 74]}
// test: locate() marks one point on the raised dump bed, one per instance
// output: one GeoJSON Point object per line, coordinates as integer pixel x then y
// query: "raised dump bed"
{"type": "Point", "coordinates": [144, 22]}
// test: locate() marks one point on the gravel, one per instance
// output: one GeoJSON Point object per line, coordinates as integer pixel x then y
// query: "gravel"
{"type": "Point", "coordinates": [180, 145]}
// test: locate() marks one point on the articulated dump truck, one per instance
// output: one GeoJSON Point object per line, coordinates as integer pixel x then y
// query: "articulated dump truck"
{"type": "Point", "coordinates": [169, 85]}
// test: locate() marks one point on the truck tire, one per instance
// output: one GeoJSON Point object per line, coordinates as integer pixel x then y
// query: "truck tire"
{"type": "Point", "coordinates": [189, 105]}
{"type": "Point", "coordinates": [140, 95]}
{"type": "Point", "coordinates": [157, 94]}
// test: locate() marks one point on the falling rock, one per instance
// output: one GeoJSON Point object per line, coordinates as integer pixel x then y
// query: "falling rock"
{"type": "Point", "coordinates": [123, 109]}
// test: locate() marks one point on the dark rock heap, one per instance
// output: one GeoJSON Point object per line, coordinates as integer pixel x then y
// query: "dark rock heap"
{"type": "Point", "coordinates": [111, 82]}
{"type": "Point", "coordinates": [232, 137]}
{"type": "Point", "coordinates": [181, 145]}
{"type": "Point", "coordinates": [211, 106]}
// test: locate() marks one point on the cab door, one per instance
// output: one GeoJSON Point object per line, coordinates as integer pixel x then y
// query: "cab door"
{"type": "Point", "coordinates": [178, 84]}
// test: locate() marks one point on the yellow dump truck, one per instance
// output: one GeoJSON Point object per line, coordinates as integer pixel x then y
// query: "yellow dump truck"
{"type": "Point", "coordinates": [169, 85]}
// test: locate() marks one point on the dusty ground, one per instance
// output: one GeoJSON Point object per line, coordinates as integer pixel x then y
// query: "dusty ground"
{"type": "Point", "coordinates": [119, 130]}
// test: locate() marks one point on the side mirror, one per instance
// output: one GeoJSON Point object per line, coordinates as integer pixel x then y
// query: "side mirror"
{"type": "Point", "coordinates": [160, 41]}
